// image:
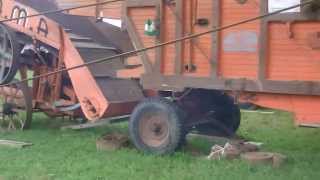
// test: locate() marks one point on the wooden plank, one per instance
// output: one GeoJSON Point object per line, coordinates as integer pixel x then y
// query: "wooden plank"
{"type": "Point", "coordinates": [138, 44]}
{"type": "Point", "coordinates": [260, 112]}
{"type": "Point", "coordinates": [14, 144]}
{"type": "Point", "coordinates": [215, 38]}
{"type": "Point", "coordinates": [141, 3]}
{"type": "Point", "coordinates": [159, 38]}
{"type": "Point", "coordinates": [179, 34]}
{"type": "Point", "coordinates": [263, 44]}
{"type": "Point", "coordinates": [179, 83]}
{"type": "Point", "coordinates": [95, 124]}
{"type": "Point", "coordinates": [214, 139]}
{"type": "Point", "coordinates": [310, 125]}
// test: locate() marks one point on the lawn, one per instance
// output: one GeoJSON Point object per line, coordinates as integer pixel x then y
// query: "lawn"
{"type": "Point", "coordinates": [72, 155]}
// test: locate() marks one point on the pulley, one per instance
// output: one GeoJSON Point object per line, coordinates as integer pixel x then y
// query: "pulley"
{"type": "Point", "coordinates": [9, 53]}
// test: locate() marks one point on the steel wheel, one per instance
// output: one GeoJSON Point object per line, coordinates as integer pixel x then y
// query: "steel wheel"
{"type": "Point", "coordinates": [8, 54]}
{"type": "Point", "coordinates": [15, 107]}
{"type": "Point", "coordinates": [154, 128]}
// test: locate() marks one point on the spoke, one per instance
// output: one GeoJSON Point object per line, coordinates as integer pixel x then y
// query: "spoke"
{"type": "Point", "coordinates": [5, 42]}
{"type": "Point", "coordinates": [2, 69]}
{"type": "Point", "coordinates": [2, 34]}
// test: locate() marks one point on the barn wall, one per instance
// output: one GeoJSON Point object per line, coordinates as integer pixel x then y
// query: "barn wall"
{"type": "Point", "coordinates": [138, 16]}
{"type": "Point", "coordinates": [238, 56]}
{"type": "Point", "coordinates": [169, 51]}
{"type": "Point", "coordinates": [290, 55]}
{"type": "Point", "coordinates": [200, 47]}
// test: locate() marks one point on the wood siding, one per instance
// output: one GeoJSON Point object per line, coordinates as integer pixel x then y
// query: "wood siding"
{"type": "Point", "coordinates": [139, 17]}
{"type": "Point", "coordinates": [200, 55]}
{"type": "Point", "coordinates": [168, 52]}
{"type": "Point", "coordinates": [293, 58]}
{"type": "Point", "coordinates": [238, 64]}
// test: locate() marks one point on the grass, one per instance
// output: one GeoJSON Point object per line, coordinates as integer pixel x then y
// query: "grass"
{"type": "Point", "coordinates": [72, 155]}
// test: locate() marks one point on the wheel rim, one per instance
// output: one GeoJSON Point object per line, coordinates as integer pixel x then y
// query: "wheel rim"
{"type": "Point", "coordinates": [7, 55]}
{"type": "Point", "coordinates": [154, 128]}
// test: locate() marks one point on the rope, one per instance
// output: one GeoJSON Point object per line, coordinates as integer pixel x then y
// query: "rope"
{"type": "Point", "coordinates": [162, 44]}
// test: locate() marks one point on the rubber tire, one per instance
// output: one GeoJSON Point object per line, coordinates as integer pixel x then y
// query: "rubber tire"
{"type": "Point", "coordinates": [176, 130]}
{"type": "Point", "coordinates": [225, 124]}
{"type": "Point", "coordinates": [226, 119]}
{"type": "Point", "coordinates": [16, 54]}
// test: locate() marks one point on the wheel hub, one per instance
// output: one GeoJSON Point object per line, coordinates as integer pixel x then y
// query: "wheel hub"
{"type": "Point", "coordinates": [154, 129]}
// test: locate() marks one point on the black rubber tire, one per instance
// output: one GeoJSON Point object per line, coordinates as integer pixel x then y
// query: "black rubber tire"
{"type": "Point", "coordinates": [218, 110]}
{"type": "Point", "coordinates": [223, 123]}
{"type": "Point", "coordinates": [226, 119]}
{"type": "Point", "coordinates": [176, 134]}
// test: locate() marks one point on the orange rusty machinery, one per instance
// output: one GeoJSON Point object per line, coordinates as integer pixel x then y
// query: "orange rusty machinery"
{"type": "Point", "coordinates": [42, 44]}
{"type": "Point", "coordinates": [272, 61]}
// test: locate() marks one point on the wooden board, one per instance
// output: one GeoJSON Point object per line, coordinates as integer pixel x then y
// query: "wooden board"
{"type": "Point", "coordinates": [14, 144]}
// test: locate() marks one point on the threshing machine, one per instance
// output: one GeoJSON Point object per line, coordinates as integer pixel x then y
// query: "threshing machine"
{"type": "Point", "coordinates": [193, 84]}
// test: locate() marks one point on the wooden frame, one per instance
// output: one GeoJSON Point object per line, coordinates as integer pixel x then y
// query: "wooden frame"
{"type": "Point", "coordinates": [178, 82]}
{"type": "Point", "coordinates": [129, 26]}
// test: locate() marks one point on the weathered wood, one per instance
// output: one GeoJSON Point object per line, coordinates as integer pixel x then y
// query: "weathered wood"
{"type": "Point", "coordinates": [260, 112]}
{"type": "Point", "coordinates": [216, 14]}
{"type": "Point", "coordinates": [310, 125]}
{"type": "Point", "coordinates": [213, 139]}
{"type": "Point", "coordinates": [14, 144]}
{"type": "Point", "coordinates": [95, 124]}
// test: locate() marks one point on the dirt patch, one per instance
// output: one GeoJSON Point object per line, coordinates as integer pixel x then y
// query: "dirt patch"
{"type": "Point", "coordinates": [111, 142]}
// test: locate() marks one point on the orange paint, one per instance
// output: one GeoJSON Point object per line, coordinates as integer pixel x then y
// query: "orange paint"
{"type": "Point", "coordinates": [93, 102]}
{"type": "Point", "coordinates": [289, 56]}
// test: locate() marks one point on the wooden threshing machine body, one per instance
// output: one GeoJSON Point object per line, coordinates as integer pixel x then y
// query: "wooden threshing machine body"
{"type": "Point", "coordinates": [273, 62]}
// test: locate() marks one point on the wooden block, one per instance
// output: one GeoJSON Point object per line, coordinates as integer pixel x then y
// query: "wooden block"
{"type": "Point", "coordinates": [258, 158]}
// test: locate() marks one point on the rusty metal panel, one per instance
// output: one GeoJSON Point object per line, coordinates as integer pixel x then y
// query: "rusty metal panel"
{"type": "Point", "coordinates": [120, 90]}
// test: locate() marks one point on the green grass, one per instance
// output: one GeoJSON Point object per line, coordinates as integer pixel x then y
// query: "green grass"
{"type": "Point", "coordinates": [68, 155]}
